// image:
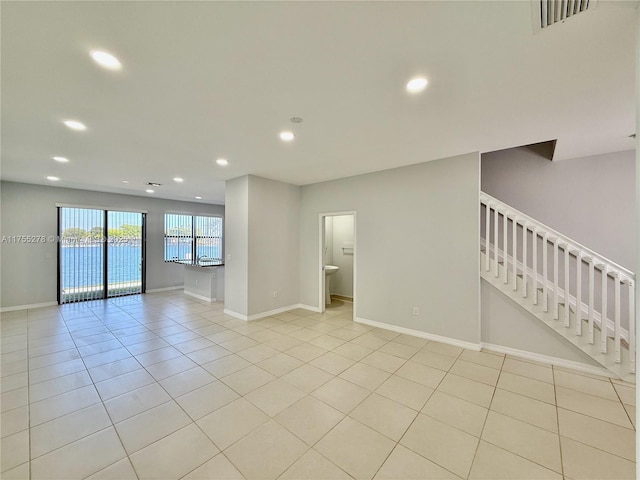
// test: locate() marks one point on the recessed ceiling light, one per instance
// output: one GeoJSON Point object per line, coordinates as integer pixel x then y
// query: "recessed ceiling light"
{"type": "Point", "coordinates": [296, 119]}
{"type": "Point", "coordinates": [222, 162]}
{"type": "Point", "coordinates": [75, 125]}
{"type": "Point", "coordinates": [148, 190]}
{"type": "Point", "coordinates": [198, 198]}
{"type": "Point", "coordinates": [61, 159]}
{"type": "Point", "coordinates": [154, 184]}
{"type": "Point", "coordinates": [178, 179]}
{"type": "Point", "coordinates": [105, 59]}
{"type": "Point", "coordinates": [417, 84]}
{"type": "Point", "coordinates": [52, 178]}
{"type": "Point", "coordinates": [286, 136]}
{"type": "Point", "coordinates": [125, 181]}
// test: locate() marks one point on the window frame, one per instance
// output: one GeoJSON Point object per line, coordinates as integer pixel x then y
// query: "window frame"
{"type": "Point", "coordinates": [193, 237]}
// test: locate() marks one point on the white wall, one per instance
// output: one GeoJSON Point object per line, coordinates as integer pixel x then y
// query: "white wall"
{"type": "Point", "coordinates": [274, 209]}
{"type": "Point", "coordinates": [29, 271]}
{"type": "Point", "coordinates": [342, 235]}
{"type": "Point", "coordinates": [236, 277]}
{"type": "Point", "coordinates": [417, 244]}
{"type": "Point", "coordinates": [590, 199]}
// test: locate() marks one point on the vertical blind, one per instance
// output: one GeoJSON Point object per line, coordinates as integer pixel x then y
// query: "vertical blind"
{"type": "Point", "coordinates": [100, 253]}
{"type": "Point", "coordinates": [192, 238]}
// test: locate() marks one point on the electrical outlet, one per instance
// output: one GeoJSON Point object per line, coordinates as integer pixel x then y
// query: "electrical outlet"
{"type": "Point", "coordinates": [275, 293]}
{"type": "Point", "coordinates": [416, 311]}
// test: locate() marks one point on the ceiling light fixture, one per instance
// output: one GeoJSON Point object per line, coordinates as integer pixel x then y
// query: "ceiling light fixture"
{"type": "Point", "coordinates": [125, 181]}
{"type": "Point", "coordinates": [154, 184]}
{"type": "Point", "coordinates": [222, 162]}
{"type": "Point", "coordinates": [178, 179]}
{"type": "Point", "coordinates": [417, 84]}
{"type": "Point", "coordinates": [198, 198]}
{"type": "Point", "coordinates": [286, 136]}
{"type": "Point", "coordinates": [61, 159]}
{"type": "Point", "coordinates": [296, 119]}
{"type": "Point", "coordinates": [75, 125]}
{"type": "Point", "coordinates": [53, 179]}
{"type": "Point", "coordinates": [148, 190]}
{"type": "Point", "coordinates": [105, 59]}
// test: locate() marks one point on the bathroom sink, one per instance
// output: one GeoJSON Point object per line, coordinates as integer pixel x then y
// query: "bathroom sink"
{"type": "Point", "coordinates": [330, 269]}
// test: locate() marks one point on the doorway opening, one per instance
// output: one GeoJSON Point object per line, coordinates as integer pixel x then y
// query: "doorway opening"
{"type": "Point", "coordinates": [338, 262]}
{"type": "Point", "coordinates": [100, 254]}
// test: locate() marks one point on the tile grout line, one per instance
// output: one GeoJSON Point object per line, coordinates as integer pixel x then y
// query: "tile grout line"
{"type": "Point", "coordinates": [555, 396]}
{"type": "Point", "coordinates": [457, 357]}
{"type": "Point", "coordinates": [105, 409]}
{"type": "Point", "coordinates": [484, 424]}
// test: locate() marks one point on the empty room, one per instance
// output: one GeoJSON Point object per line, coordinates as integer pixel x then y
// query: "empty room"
{"type": "Point", "coordinates": [319, 240]}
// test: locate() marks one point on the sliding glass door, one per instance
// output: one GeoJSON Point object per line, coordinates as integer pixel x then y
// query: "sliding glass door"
{"type": "Point", "coordinates": [81, 254]}
{"type": "Point", "coordinates": [101, 254]}
{"type": "Point", "coordinates": [124, 253]}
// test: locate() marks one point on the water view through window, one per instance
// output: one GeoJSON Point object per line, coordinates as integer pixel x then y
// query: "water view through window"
{"type": "Point", "coordinates": [88, 251]}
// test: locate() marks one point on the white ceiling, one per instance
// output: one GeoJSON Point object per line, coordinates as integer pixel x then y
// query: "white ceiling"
{"type": "Point", "coordinates": [202, 80]}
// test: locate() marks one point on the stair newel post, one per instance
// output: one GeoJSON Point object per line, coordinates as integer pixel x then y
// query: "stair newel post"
{"type": "Point", "coordinates": [525, 231]}
{"type": "Point", "coordinates": [487, 234]}
{"type": "Point", "coordinates": [567, 286]}
{"type": "Point", "coordinates": [505, 224]}
{"type": "Point", "coordinates": [555, 279]}
{"type": "Point", "coordinates": [496, 217]}
{"type": "Point", "coordinates": [514, 256]}
{"type": "Point", "coordinates": [545, 268]}
{"type": "Point", "coordinates": [632, 326]}
{"type": "Point", "coordinates": [534, 237]}
{"type": "Point", "coordinates": [603, 316]}
{"type": "Point", "coordinates": [591, 297]}
{"type": "Point", "coordinates": [578, 292]}
{"type": "Point", "coordinates": [616, 316]}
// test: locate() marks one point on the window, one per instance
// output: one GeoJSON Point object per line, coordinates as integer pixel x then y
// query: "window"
{"type": "Point", "coordinates": [192, 239]}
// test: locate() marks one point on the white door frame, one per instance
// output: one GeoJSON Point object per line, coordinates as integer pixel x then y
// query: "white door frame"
{"type": "Point", "coordinates": [321, 244]}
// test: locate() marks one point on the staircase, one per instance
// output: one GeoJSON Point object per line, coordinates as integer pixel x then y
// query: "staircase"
{"type": "Point", "coordinates": [583, 296]}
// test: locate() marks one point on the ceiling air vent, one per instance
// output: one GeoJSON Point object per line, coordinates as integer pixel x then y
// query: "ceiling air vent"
{"type": "Point", "coordinates": [555, 11]}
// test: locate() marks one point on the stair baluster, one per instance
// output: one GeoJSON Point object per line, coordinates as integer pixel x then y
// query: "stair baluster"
{"type": "Point", "coordinates": [591, 298]}
{"type": "Point", "coordinates": [514, 256]}
{"type": "Point", "coordinates": [505, 249]}
{"type": "Point", "coordinates": [555, 279]}
{"type": "Point", "coordinates": [632, 325]}
{"type": "Point", "coordinates": [524, 259]}
{"type": "Point", "coordinates": [616, 315]}
{"type": "Point", "coordinates": [534, 246]}
{"type": "Point", "coordinates": [545, 273]}
{"type": "Point", "coordinates": [578, 292]}
{"type": "Point", "coordinates": [603, 311]}
{"type": "Point", "coordinates": [567, 287]}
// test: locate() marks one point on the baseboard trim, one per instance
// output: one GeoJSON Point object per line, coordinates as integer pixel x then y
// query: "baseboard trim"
{"type": "Point", "coordinates": [417, 333]}
{"type": "Point", "coordinates": [200, 297]}
{"type": "Point", "coordinates": [309, 307]}
{"type": "Point", "coordinates": [258, 316]}
{"type": "Point", "coordinates": [342, 297]}
{"type": "Point", "coordinates": [29, 306]}
{"type": "Point", "coordinates": [165, 289]}
{"type": "Point", "coordinates": [548, 360]}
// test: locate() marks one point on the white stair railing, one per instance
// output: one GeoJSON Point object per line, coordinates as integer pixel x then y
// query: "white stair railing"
{"type": "Point", "coordinates": [605, 306]}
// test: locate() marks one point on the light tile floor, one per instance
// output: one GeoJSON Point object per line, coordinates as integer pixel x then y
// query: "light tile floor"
{"type": "Point", "coordinates": [164, 386]}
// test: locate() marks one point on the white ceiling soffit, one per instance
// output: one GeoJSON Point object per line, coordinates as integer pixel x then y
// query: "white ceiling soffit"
{"type": "Point", "coordinates": [207, 80]}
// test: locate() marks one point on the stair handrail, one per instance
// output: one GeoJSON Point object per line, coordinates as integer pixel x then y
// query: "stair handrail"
{"type": "Point", "coordinates": [597, 259]}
